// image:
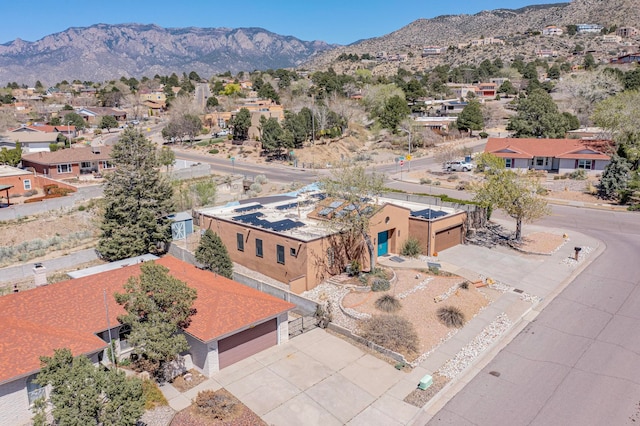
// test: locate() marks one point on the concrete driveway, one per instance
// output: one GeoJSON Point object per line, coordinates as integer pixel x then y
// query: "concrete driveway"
{"type": "Point", "coordinates": [316, 379]}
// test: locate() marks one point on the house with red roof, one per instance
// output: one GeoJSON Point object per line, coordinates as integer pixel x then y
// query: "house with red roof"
{"type": "Point", "coordinates": [232, 322]}
{"type": "Point", "coordinates": [553, 155]}
{"type": "Point", "coordinates": [71, 162]}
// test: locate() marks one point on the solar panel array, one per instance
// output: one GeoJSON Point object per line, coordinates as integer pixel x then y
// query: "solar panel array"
{"type": "Point", "coordinates": [429, 214]}
{"type": "Point", "coordinates": [279, 226]}
{"type": "Point", "coordinates": [248, 208]}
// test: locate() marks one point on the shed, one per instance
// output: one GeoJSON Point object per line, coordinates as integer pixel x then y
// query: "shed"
{"type": "Point", "coordinates": [181, 226]}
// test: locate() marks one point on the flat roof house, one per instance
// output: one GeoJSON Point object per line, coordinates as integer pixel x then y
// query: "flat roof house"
{"type": "Point", "coordinates": [232, 322]}
{"type": "Point", "coordinates": [291, 239]}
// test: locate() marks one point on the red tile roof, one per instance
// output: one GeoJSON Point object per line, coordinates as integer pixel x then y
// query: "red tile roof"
{"type": "Point", "coordinates": [531, 147]}
{"type": "Point", "coordinates": [70, 313]}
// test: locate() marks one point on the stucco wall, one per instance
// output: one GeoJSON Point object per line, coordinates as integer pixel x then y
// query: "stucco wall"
{"type": "Point", "coordinates": [14, 403]}
{"type": "Point", "coordinates": [426, 232]}
{"type": "Point", "coordinates": [294, 266]}
{"type": "Point", "coordinates": [198, 351]}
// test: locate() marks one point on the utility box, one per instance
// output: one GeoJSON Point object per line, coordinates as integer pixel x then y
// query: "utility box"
{"type": "Point", "coordinates": [425, 382]}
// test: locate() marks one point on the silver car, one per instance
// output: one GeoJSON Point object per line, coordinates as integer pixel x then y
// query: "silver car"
{"type": "Point", "coordinates": [458, 166]}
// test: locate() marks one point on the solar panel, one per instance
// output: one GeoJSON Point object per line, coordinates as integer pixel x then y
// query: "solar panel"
{"type": "Point", "coordinates": [336, 204]}
{"type": "Point", "coordinates": [248, 208]}
{"type": "Point", "coordinates": [325, 212]}
{"type": "Point", "coordinates": [350, 207]}
{"type": "Point", "coordinates": [287, 206]}
{"type": "Point", "coordinates": [429, 214]}
{"type": "Point", "coordinates": [319, 195]}
{"type": "Point", "coordinates": [248, 218]}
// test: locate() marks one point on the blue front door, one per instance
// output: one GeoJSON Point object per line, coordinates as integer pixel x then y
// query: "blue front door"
{"type": "Point", "coordinates": [383, 243]}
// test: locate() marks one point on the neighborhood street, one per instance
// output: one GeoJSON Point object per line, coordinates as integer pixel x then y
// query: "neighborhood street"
{"type": "Point", "coordinates": [577, 362]}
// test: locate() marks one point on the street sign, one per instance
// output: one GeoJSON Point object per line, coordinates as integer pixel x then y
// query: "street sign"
{"type": "Point", "coordinates": [233, 159]}
{"type": "Point", "coordinates": [401, 158]}
{"type": "Point", "coordinates": [396, 159]}
{"type": "Point", "coordinates": [409, 157]}
{"type": "Point", "coordinates": [401, 163]}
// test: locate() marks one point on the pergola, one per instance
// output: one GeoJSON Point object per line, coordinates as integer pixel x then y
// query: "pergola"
{"type": "Point", "coordinates": [6, 188]}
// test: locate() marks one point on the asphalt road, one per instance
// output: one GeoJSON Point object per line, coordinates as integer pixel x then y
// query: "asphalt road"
{"type": "Point", "coordinates": [578, 362]}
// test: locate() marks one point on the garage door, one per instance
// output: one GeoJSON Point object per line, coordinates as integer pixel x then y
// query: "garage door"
{"type": "Point", "coordinates": [248, 342]}
{"type": "Point", "coordinates": [448, 238]}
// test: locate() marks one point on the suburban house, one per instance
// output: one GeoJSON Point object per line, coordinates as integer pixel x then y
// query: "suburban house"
{"type": "Point", "coordinates": [72, 162]}
{"type": "Point", "coordinates": [257, 108]}
{"type": "Point", "coordinates": [16, 182]}
{"type": "Point", "coordinates": [630, 58]}
{"type": "Point", "coordinates": [451, 108]}
{"type": "Point", "coordinates": [627, 32]}
{"type": "Point", "coordinates": [93, 115]}
{"type": "Point", "coordinates": [291, 238]}
{"type": "Point", "coordinates": [232, 322]}
{"type": "Point", "coordinates": [552, 30]}
{"type": "Point", "coordinates": [29, 141]}
{"type": "Point", "coordinates": [589, 28]}
{"type": "Point", "coordinates": [65, 129]}
{"type": "Point", "coordinates": [553, 155]}
{"type": "Point", "coordinates": [434, 123]}
{"type": "Point", "coordinates": [433, 50]}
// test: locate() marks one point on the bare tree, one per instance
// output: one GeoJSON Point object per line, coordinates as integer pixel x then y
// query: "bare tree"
{"type": "Point", "coordinates": [585, 90]}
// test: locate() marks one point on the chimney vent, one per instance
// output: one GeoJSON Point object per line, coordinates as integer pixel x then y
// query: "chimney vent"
{"type": "Point", "coordinates": [39, 274]}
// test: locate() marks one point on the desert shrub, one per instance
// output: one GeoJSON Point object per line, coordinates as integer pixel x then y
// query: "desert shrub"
{"type": "Point", "coordinates": [392, 332]}
{"type": "Point", "coordinates": [450, 316]}
{"type": "Point", "coordinates": [425, 181]}
{"type": "Point", "coordinates": [580, 174]}
{"type": "Point", "coordinates": [354, 268]}
{"type": "Point", "coordinates": [261, 179]}
{"type": "Point", "coordinates": [388, 303]}
{"type": "Point", "coordinates": [436, 183]}
{"type": "Point", "coordinates": [214, 151]}
{"type": "Point", "coordinates": [380, 284]}
{"type": "Point", "coordinates": [485, 135]}
{"type": "Point", "coordinates": [216, 405]}
{"type": "Point", "coordinates": [452, 178]}
{"type": "Point", "coordinates": [256, 187]}
{"type": "Point", "coordinates": [152, 395]}
{"type": "Point", "coordinates": [464, 285]}
{"type": "Point", "coordinates": [411, 247]}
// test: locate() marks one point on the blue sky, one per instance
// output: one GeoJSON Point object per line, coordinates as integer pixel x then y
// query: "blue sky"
{"type": "Point", "coordinates": [333, 21]}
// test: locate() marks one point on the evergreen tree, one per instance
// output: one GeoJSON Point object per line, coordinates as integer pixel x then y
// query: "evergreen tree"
{"type": "Point", "coordinates": [538, 117]}
{"type": "Point", "coordinates": [213, 254]}
{"type": "Point", "coordinates": [138, 200]}
{"type": "Point", "coordinates": [615, 178]}
{"type": "Point", "coordinates": [395, 110]}
{"type": "Point", "coordinates": [158, 306]}
{"type": "Point", "coordinates": [82, 394]}
{"type": "Point", "coordinates": [108, 122]}
{"type": "Point", "coordinates": [267, 91]}
{"type": "Point", "coordinates": [241, 123]}
{"type": "Point", "coordinates": [470, 118]}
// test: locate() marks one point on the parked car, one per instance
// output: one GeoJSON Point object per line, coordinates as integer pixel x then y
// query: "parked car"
{"type": "Point", "coordinates": [458, 166]}
{"type": "Point", "coordinates": [222, 133]}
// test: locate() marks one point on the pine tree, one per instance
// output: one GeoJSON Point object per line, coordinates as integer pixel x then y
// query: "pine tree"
{"type": "Point", "coordinates": [213, 254]}
{"type": "Point", "coordinates": [471, 117]}
{"type": "Point", "coordinates": [82, 394]}
{"type": "Point", "coordinates": [158, 306]}
{"type": "Point", "coordinates": [138, 200]}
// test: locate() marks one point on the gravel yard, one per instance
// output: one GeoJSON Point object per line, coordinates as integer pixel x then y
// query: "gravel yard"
{"type": "Point", "coordinates": [418, 293]}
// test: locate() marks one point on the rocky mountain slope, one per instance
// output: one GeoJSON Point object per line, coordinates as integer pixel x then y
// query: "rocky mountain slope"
{"type": "Point", "coordinates": [104, 52]}
{"type": "Point", "coordinates": [450, 30]}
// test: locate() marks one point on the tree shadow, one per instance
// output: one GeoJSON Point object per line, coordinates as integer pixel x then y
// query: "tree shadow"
{"type": "Point", "coordinates": [491, 235]}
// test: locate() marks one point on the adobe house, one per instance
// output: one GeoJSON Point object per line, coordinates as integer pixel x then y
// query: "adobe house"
{"type": "Point", "coordinates": [291, 238]}
{"type": "Point", "coordinates": [232, 322]}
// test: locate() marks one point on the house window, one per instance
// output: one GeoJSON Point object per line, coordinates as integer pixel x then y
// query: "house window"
{"type": "Point", "coordinates": [64, 168]}
{"type": "Point", "coordinates": [27, 184]}
{"type": "Point", "coordinates": [240, 241]}
{"type": "Point", "coordinates": [331, 257]}
{"type": "Point", "coordinates": [508, 163]}
{"type": "Point", "coordinates": [539, 161]}
{"type": "Point", "coordinates": [105, 164]}
{"type": "Point", "coordinates": [123, 336]}
{"type": "Point", "coordinates": [34, 390]}
{"type": "Point", "coordinates": [85, 164]}
{"type": "Point", "coordinates": [280, 254]}
{"type": "Point", "coordinates": [584, 164]}
{"type": "Point", "coordinates": [258, 247]}
{"type": "Point", "coordinates": [292, 252]}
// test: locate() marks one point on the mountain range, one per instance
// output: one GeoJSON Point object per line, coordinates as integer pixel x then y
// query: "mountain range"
{"type": "Point", "coordinates": [104, 52]}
